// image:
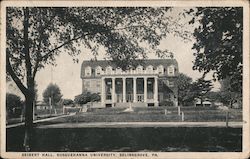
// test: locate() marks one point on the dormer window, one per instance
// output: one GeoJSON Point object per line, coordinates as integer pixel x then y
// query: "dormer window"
{"type": "Point", "coordinates": [139, 69]}
{"type": "Point", "coordinates": [150, 69]}
{"type": "Point", "coordinates": [98, 70]}
{"type": "Point", "coordinates": [160, 70]}
{"type": "Point", "coordinates": [108, 70]}
{"type": "Point", "coordinates": [88, 71]}
{"type": "Point", "coordinates": [171, 70]}
{"type": "Point", "coordinates": [118, 70]}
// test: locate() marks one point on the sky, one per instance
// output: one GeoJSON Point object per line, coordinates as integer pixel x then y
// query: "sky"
{"type": "Point", "coordinates": [67, 73]}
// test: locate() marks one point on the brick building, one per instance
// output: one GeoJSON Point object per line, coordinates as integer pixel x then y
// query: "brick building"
{"type": "Point", "coordinates": [150, 84]}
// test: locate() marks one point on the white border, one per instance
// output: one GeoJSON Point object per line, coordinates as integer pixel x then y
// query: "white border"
{"type": "Point", "coordinates": [194, 155]}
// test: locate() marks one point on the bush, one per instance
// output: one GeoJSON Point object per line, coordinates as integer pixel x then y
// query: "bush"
{"type": "Point", "coordinates": [86, 97]}
{"type": "Point", "coordinates": [166, 103]}
{"type": "Point", "coordinates": [67, 102]}
{"type": "Point", "coordinates": [14, 105]}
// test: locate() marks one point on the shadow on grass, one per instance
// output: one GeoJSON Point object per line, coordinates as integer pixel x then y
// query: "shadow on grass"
{"type": "Point", "coordinates": [175, 139]}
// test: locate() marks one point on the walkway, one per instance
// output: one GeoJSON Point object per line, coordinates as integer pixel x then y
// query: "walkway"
{"type": "Point", "coordinates": [38, 121]}
{"type": "Point", "coordinates": [142, 124]}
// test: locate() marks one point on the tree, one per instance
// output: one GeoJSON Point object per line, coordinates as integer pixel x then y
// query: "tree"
{"type": "Point", "coordinates": [36, 35]}
{"type": "Point", "coordinates": [214, 96]}
{"type": "Point", "coordinates": [228, 95]}
{"type": "Point", "coordinates": [13, 102]}
{"type": "Point", "coordinates": [67, 101]}
{"type": "Point", "coordinates": [200, 88]}
{"type": "Point", "coordinates": [86, 97]}
{"type": "Point", "coordinates": [184, 83]}
{"type": "Point", "coordinates": [52, 92]}
{"type": "Point", "coordinates": [219, 43]}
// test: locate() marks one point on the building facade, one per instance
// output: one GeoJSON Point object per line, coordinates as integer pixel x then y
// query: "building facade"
{"type": "Point", "coordinates": [152, 83]}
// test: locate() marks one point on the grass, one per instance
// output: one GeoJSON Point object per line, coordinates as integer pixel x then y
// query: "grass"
{"type": "Point", "coordinates": [39, 114]}
{"type": "Point", "coordinates": [154, 114]}
{"type": "Point", "coordinates": [161, 139]}
{"type": "Point", "coordinates": [172, 139]}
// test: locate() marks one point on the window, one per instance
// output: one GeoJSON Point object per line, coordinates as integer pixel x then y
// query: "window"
{"type": "Point", "coordinates": [139, 69]}
{"type": "Point", "coordinates": [160, 70]}
{"type": "Point", "coordinates": [98, 70]}
{"type": "Point", "coordinates": [171, 84]}
{"type": "Point", "coordinates": [87, 84]}
{"type": "Point", "coordinates": [118, 70]}
{"type": "Point", "coordinates": [171, 71]}
{"type": "Point", "coordinates": [88, 71]}
{"type": "Point", "coordinates": [150, 69]}
{"type": "Point", "coordinates": [108, 70]}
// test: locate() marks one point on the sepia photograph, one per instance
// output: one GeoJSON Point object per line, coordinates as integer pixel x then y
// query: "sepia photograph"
{"type": "Point", "coordinates": [125, 79]}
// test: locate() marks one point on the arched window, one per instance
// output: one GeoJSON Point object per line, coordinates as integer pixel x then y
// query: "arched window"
{"type": "Point", "coordinates": [160, 70]}
{"type": "Point", "coordinates": [108, 70]}
{"type": "Point", "coordinates": [98, 71]}
{"type": "Point", "coordinates": [171, 70]}
{"type": "Point", "coordinates": [149, 69]}
{"type": "Point", "coordinates": [88, 71]}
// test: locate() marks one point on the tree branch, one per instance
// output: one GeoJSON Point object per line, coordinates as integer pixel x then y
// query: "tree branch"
{"type": "Point", "coordinates": [76, 38]}
{"type": "Point", "coordinates": [14, 77]}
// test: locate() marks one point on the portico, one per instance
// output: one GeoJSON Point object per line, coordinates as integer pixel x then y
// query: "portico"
{"type": "Point", "coordinates": [139, 90]}
{"type": "Point", "coordinates": [151, 83]}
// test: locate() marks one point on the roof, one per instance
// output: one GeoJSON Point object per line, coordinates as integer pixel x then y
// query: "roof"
{"type": "Point", "coordinates": [146, 62]}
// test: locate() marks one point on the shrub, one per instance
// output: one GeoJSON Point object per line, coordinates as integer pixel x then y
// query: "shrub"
{"type": "Point", "coordinates": [166, 103]}
{"type": "Point", "coordinates": [67, 102]}
{"type": "Point", "coordinates": [14, 105]}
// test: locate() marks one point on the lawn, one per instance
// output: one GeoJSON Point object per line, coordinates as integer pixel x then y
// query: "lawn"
{"type": "Point", "coordinates": [171, 139]}
{"type": "Point", "coordinates": [154, 114]}
{"type": "Point", "coordinates": [39, 114]}
{"type": "Point", "coordinates": [162, 139]}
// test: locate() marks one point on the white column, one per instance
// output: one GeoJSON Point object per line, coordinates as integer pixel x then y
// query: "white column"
{"type": "Point", "coordinates": [145, 89]}
{"type": "Point", "coordinates": [103, 92]}
{"type": "Point", "coordinates": [156, 91]}
{"type": "Point", "coordinates": [113, 91]}
{"type": "Point", "coordinates": [134, 89]}
{"type": "Point", "coordinates": [124, 89]}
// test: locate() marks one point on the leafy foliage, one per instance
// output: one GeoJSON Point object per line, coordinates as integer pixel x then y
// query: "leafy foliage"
{"type": "Point", "coordinates": [214, 96]}
{"type": "Point", "coordinates": [228, 95]}
{"type": "Point", "coordinates": [52, 29]}
{"type": "Point", "coordinates": [219, 42]}
{"type": "Point", "coordinates": [200, 88]}
{"type": "Point", "coordinates": [53, 92]}
{"type": "Point", "coordinates": [86, 97]}
{"type": "Point", "coordinates": [67, 102]}
{"type": "Point", "coordinates": [184, 84]}
{"type": "Point", "coordinates": [13, 102]}
{"type": "Point", "coordinates": [37, 35]}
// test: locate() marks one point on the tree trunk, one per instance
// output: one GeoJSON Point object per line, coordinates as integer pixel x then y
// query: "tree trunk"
{"type": "Point", "coordinates": [28, 122]}
{"type": "Point", "coordinates": [202, 102]}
